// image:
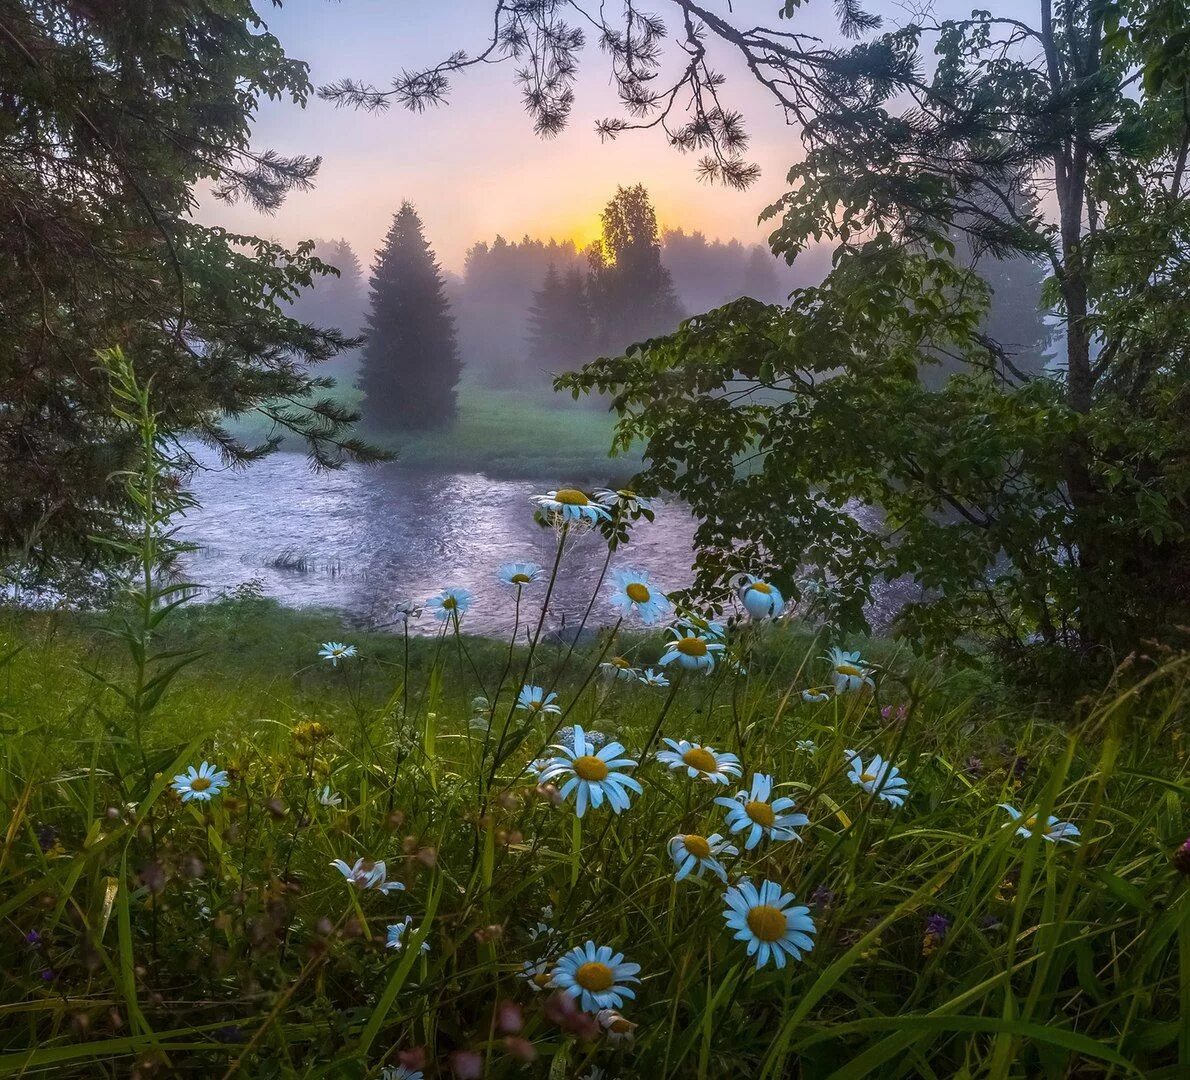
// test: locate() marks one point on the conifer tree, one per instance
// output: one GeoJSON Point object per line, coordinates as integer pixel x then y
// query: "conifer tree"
{"type": "Point", "coordinates": [411, 362]}
{"type": "Point", "coordinates": [560, 321]}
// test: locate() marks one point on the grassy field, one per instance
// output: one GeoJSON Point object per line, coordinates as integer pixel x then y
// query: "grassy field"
{"type": "Point", "coordinates": [508, 434]}
{"type": "Point", "coordinates": [147, 936]}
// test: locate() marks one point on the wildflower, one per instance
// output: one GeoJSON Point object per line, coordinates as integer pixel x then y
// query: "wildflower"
{"type": "Point", "coordinates": [652, 677]}
{"type": "Point", "coordinates": [752, 810]}
{"type": "Point", "coordinates": [848, 672]}
{"type": "Point", "coordinates": [404, 609]}
{"type": "Point", "coordinates": [625, 501]}
{"type": "Point", "coordinates": [816, 695]}
{"type": "Point", "coordinates": [400, 1072]}
{"type": "Point", "coordinates": [510, 1018]}
{"type": "Point", "coordinates": [765, 920]}
{"type": "Point", "coordinates": [597, 977]}
{"type": "Point", "coordinates": [570, 504]}
{"type": "Point", "coordinates": [896, 715]}
{"type": "Point", "coordinates": [592, 775]}
{"type": "Point", "coordinates": [309, 733]}
{"type": "Point", "coordinates": [330, 798]}
{"type": "Point", "coordinates": [367, 876]}
{"type": "Point", "coordinates": [567, 735]}
{"type": "Point", "coordinates": [822, 899]}
{"type": "Point", "coordinates": [451, 601]}
{"type": "Point", "coordinates": [537, 974]}
{"type": "Point", "coordinates": [809, 746]}
{"type": "Point", "coordinates": [618, 667]}
{"type": "Point", "coordinates": [973, 766]}
{"type": "Point", "coordinates": [696, 624]}
{"type": "Point", "coordinates": [1181, 858]}
{"type": "Point", "coordinates": [203, 783]}
{"type": "Point", "coordinates": [1055, 831]}
{"type": "Point", "coordinates": [714, 766]}
{"type": "Point", "coordinates": [47, 838]}
{"type": "Point", "coordinates": [33, 939]}
{"type": "Point", "coordinates": [761, 599]}
{"type": "Point", "coordinates": [936, 928]}
{"type": "Point", "coordinates": [535, 700]}
{"type": "Point", "coordinates": [619, 1031]}
{"type": "Point", "coordinates": [694, 853]}
{"type": "Point", "coordinates": [880, 777]}
{"type": "Point", "coordinates": [520, 574]}
{"type": "Point", "coordinates": [397, 932]}
{"type": "Point", "coordinates": [691, 651]}
{"type": "Point", "coordinates": [466, 1064]}
{"type": "Point", "coordinates": [334, 651]}
{"type": "Point", "coordinates": [636, 593]}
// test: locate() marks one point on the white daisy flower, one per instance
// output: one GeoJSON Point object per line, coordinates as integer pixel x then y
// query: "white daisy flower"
{"type": "Point", "coordinates": [879, 776]}
{"type": "Point", "coordinates": [330, 798]}
{"type": "Point", "coordinates": [624, 500]}
{"type": "Point", "coordinates": [404, 609]}
{"type": "Point", "coordinates": [808, 745]}
{"type": "Point", "coordinates": [364, 875]}
{"type": "Point", "coordinates": [691, 651]}
{"type": "Point", "coordinates": [816, 695]}
{"type": "Point", "coordinates": [848, 672]}
{"type": "Point", "coordinates": [1054, 830]}
{"type": "Point", "coordinates": [334, 651]}
{"type": "Point", "coordinates": [765, 919]}
{"type": "Point", "coordinates": [450, 601]}
{"type": "Point", "coordinates": [535, 700]}
{"type": "Point", "coordinates": [597, 977]}
{"type": "Point", "coordinates": [401, 1072]}
{"type": "Point", "coordinates": [570, 504]}
{"type": "Point", "coordinates": [705, 762]}
{"type": "Point", "coordinates": [397, 932]}
{"type": "Point", "coordinates": [761, 599]}
{"type": "Point", "coordinates": [201, 784]}
{"type": "Point", "coordinates": [752, 811]}
{"type": "Point", "coordinates": [694, 853]}
{"type": "Point", "coordinates": [619, 1031]}
{"type": "Point", "coordinates": [652, 677]}
{"type": "Point", "coordinates": [635, 592]}
{"type": "Point", "coordinates": [689, 623]}
{"type": "Point", "coordinates": [537, 974]}
{"type": "Point", "coordinates": [618, 667]}
{"type": "Point", "coordinates": [520, 574]}
{"type": "Point", "coordinates": [592, 776]}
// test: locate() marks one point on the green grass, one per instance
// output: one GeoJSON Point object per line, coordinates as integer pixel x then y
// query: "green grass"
{"type": "Point", "coordinates": [214, 939]}
{"type": "Point", "coordinates": [503, 433]}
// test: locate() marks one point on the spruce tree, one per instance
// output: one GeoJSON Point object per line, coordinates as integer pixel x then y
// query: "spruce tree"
{"type": "Point", "coordinates": [411, 362]}
{"type": "Point", "coordinates": [559, 320]}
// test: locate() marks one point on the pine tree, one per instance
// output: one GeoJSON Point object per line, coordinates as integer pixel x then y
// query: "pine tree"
{"type": "Point", "coordinates": [760, 276]}
{"type": "Point", "coordinates": [411, 361]}
{"type": "Point", "coordinates": [560, 321]}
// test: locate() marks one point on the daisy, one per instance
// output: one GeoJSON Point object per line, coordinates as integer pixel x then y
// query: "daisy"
{"type": "Point", "coordinates": [707, 628]}
{"type": "Point", "coordinates": [203, 783]}
{"type": "Point", "coordinates": [652, 677]}
{"type": "Point", "coordinates": [397, 932]}
{"type": "Point", "coordinates": [537, 974]}
{"type": "Point", "coordinates": [692, 852]}
{"type": "Point", "coordinates": [625, 501]}
{"type": "Point", "coordinates": [636, 593]}
{"type": "Point", "coordinates": [691, 651]}
{"type": "Point", "coordinates": [592, 775]}
{"type": "Point", "coordinates": [761, 599]}
{"type": "Point", "coordinates": [752, 810]}
{"type": "Point", "coordinates": [714, 766]}
{"type": "Point", "coordinates": [367, 876]}
{"type": "Point", "coordinates": [765, 920]}
{"type": "Point", "coordinates": [535, 700]}
{"type": "Point", "coordinates": [848, 672]}
{"type": "Point", "coordinates": [596, 976]}
{"type": "Point", "coordinates": [816, 695]}
{"type": "Point", "coordinates": [400, 1072]}
{"type": "Point", "coordinates": [520, 574]}
{"type": "Point", "coordinates": [619, 1031]}
{"type": "Point", "coordinates": [567, 734]}
{"type": "Point", "coordinates": [334, 651]}
{"type": "Point", "coordinates": [404, 609]}
{"type": "Point", "coordinates": [570, 504]}
{"type": "Point", "coordinates": [330, 798]}
{"type": "Point", "coordinates": [450, 601]}
{"type": "Point", "coordinates": [880, 776]}
{"type": "Point", "coordinates": [619, 667]}
{"type": "Point", "coordinates": [1055, 831]}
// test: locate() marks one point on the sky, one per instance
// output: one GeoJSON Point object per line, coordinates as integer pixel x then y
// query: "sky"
{"type": "Point", "coordinates": [474, 168]}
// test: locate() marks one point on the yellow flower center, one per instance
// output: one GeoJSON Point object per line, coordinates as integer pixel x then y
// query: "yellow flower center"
{"type": "Point", "coordinates": [520, 579]}
{"type": "Point", "coordinates": [620, 662]}
{"type": "Point", "coordinates": [637, 593]}
{"type": "Point", "coordinates": [542, 979]}
{"type": "Point", "coordinates": [691, 646]}
{"type": "Point", "coordinates": [594, 976]}
{"type": "Point", "coordinates": [589, 767]}
{"type": "Point", "coordinates": [760, 812]}
{"type": "Point", "coordinates": [766, 922]}
{"type": "Point", "coordinates": [868, 777]}
{"type": "Point", "coordinates": [1031, 823]}
{"type": "Point", "coordinates": [571, 497]}
{"type": "Point", "coordinates": [849, 669]}
{"type": "Point", "coordinates": [697, 845]}
{"type": "Point", "coordinates": [449, 603]}
{"type": "Point", "coordinates": [761, 587]}
{"type": "Point", "coordinates": [200, 783]}
{"type": "Point", "coordinates": [620, 1026]}
{"type": "Point", "coordinates": [701, 759]}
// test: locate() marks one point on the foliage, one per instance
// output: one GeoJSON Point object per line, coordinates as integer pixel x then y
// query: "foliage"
{"type": "Point", "coordinates": [114, 115]}
{"type": "Point", "coordinates": [411, 361]}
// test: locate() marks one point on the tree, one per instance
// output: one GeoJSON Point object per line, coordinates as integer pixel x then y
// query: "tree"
{"type": "Point", "coordinates": [760, 276]}
{"type": "Point", "coordinates": [559, 320]}
{"type": "Point", "coordinates": [337, 301]}
{"type": "Point", "coordinates": [112, 114]}
{"type": "Point", "coordinates": [411, 360]}
{"type": "Point", "coordinates": [631, 293]}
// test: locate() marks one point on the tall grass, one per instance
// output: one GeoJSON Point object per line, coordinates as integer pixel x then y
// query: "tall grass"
{"type": "Point", "coordinates": [143, 936]}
